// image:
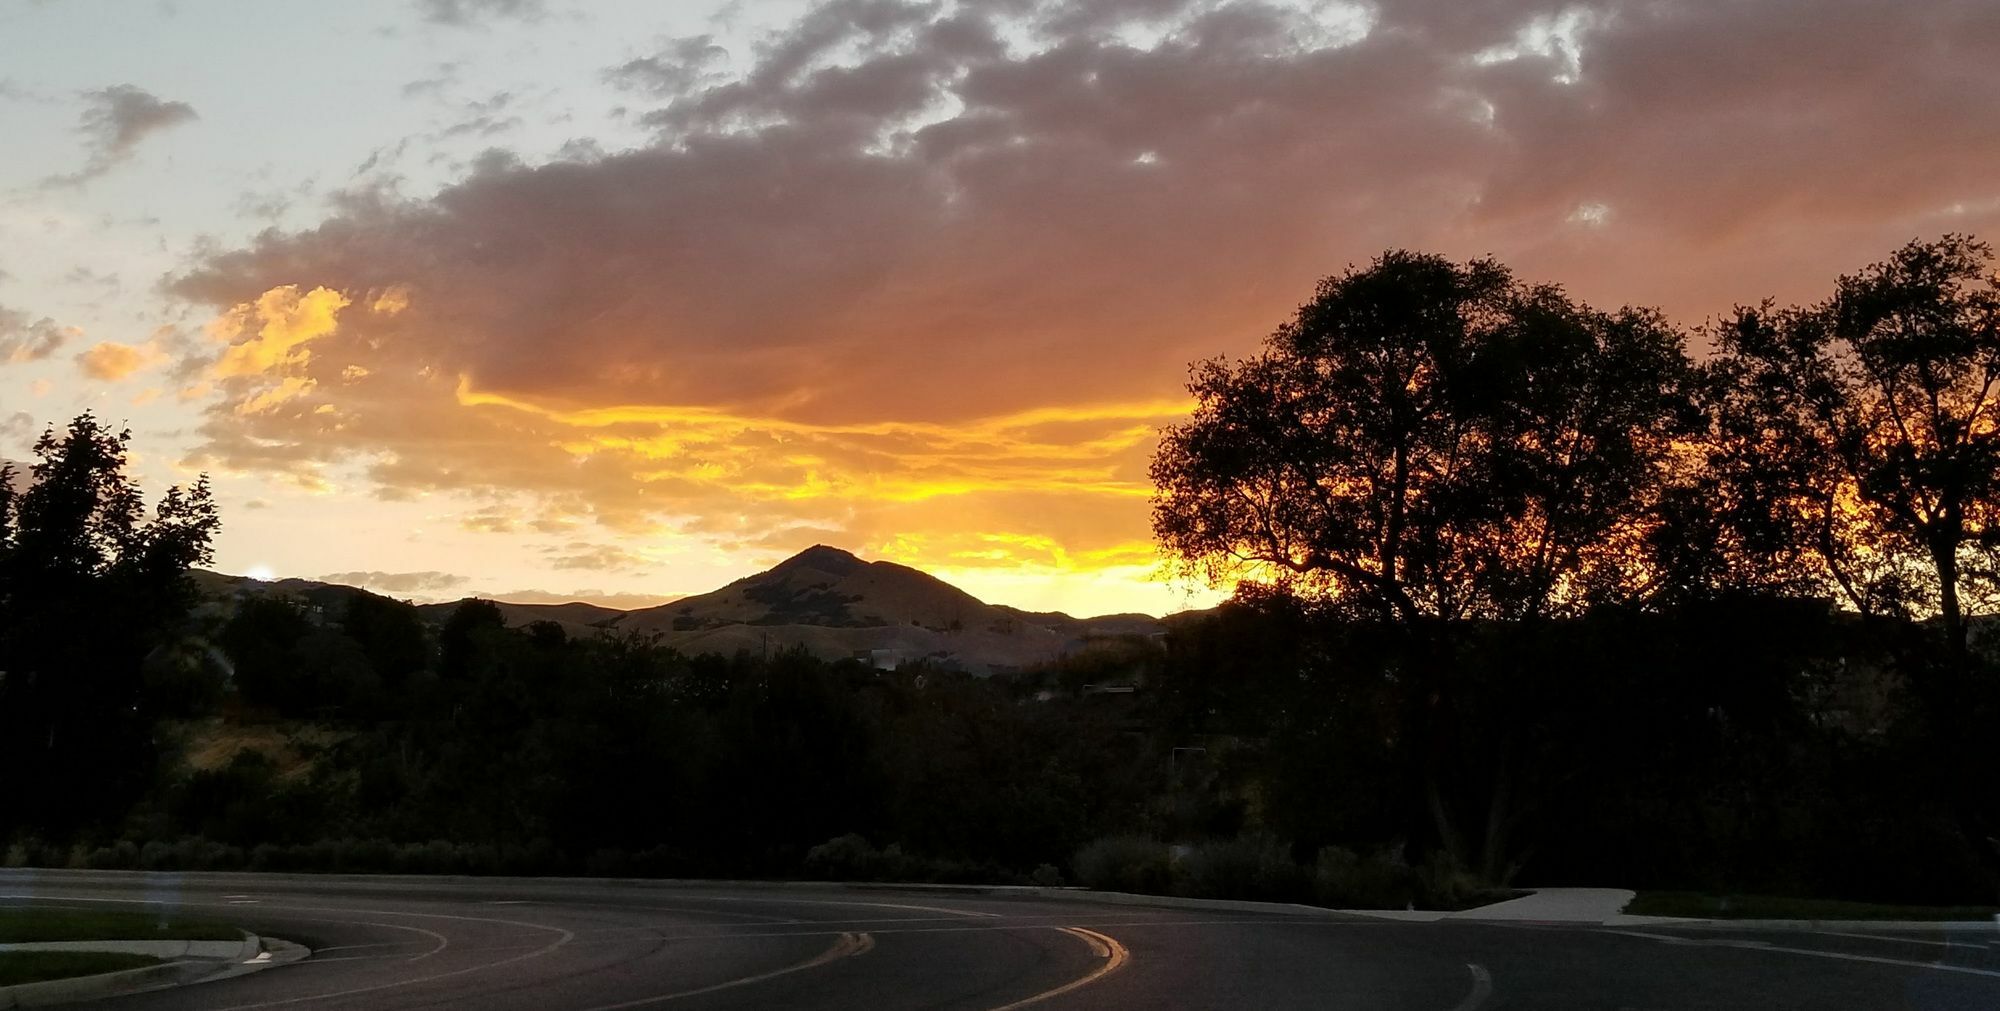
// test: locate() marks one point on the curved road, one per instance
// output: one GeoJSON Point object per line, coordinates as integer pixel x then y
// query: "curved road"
{"type": "Point", "coordinates": [501, 944]}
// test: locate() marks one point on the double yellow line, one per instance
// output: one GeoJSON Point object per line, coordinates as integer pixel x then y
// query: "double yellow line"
{"type": "Point", "coordinates": [1104, 946]}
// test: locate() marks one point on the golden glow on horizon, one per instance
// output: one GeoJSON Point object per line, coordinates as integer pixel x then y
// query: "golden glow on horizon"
{"type": "Point", "coordinates": [891, 461]}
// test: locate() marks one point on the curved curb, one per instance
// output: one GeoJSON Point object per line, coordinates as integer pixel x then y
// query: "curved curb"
{"type": "Point", "coordinates": [252, 954]}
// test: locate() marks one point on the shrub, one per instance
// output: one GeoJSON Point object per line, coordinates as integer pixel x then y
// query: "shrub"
{"type": "Point", "coordinates": [1444, 883]}
{"type": "Point", "coordinates": [30, 852]}
{"type": "Point", "coordinates": [123, 856]}
{"type": "Point", "coordinates": [1343, 880]}
{"type": "Point", "coordinates": [1127, 863]}
{"type": "Point", "coordinates": [845, 858]}
{"type": "Point", "coordinates": [1047, 876]}
{"type": "Point", "coordinates": [1249, 867]}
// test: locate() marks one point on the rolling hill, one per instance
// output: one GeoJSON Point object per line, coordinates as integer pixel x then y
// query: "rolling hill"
{"type": "Point", "coordinates": [824, 599]}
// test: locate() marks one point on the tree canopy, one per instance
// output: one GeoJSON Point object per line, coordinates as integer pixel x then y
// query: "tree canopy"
{"type": "Point", "coordinates": [89, 585]}
{"type": "Point", "coordinates": [1434, 440]}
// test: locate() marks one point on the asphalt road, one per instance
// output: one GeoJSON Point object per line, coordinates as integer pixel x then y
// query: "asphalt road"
{"type": "Point", "coordinates": [499, 945]}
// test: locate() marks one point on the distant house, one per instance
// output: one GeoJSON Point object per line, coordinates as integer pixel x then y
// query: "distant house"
{"type": "Point", "coordinates": [883, 659]}
{"type": "Point", "coordinates": [1111, 688]}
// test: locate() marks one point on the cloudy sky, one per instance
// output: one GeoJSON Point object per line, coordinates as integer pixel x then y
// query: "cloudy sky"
{"type": "Point", "coordinates": [619, 300]}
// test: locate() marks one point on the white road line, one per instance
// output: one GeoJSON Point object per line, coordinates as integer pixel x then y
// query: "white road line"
{"type": "Point", "coordinates": [1482, 988]}
{"type": "Point", "coordinates": [1895, 940]}
{"type": "Point", "coordinates": [443, 942]}
{"type": "Point", "coordinates": [845, 946]}
{"type": "Point", "coordinates": [877, 905]}
{"type": "Point", "coordinates": [564, 938]}
{"type": "Point", "coordinates": [1812, 953]}
{"type": "Point", "coordinates": [693, 910]}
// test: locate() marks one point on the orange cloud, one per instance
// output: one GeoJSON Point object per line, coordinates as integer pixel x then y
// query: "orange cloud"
{"type": "Point", "coordinates": [111, 362]}
{"type": "Point", "coordinates": [278, 325]}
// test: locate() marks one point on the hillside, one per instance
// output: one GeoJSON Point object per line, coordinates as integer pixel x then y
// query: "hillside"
{"type": "Point", "coordinates": [824, 599]}
{"type": "Point", "coordinates": [826, 587]}
{"type": "Point", "coordinates": [575, 617]}
{"type": "Point", "coordinates": [837, 605]}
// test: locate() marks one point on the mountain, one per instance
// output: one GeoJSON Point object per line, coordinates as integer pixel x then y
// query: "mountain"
{"type": "Point", "coordinates": [828, 587]}
{"type": "Point", "coordinates": [827, 600]}
{"type": "Point", "coordinates": [836, 605]}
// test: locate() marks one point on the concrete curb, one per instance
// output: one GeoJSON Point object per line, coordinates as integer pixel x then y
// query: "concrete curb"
{"type": "Point", "coordinates": [168, 950]}
{"type": "Point", "coordinates": [104, 984]}
{"type": "Point", "coordinates": [191, 962]}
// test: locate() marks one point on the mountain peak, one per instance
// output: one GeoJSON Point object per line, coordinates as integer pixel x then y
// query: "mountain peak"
{"type": "Point", "coordinates": [825, 558]}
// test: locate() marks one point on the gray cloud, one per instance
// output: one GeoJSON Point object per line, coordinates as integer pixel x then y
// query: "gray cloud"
{"type": "Point", "coordinates": [464, 13]}
{"type": "Point", "coordinates": [594, 557]}
{"type": "Point", "coordinates": [26, 339]}
{"type": "Point", "coordinates": [613, 599]}
{"type": "Point", "coordinates": [429, 581]}
{"type": "Point", "coordinates": [681, 66]}
{"type": "Point", "coordinates": [19, 428]}
{"type": "Point", "coordinates": [115, 120]}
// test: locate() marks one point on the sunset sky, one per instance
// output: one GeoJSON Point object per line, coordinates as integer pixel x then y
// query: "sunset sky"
{"type": "Point", "coordinates": [553, 299]}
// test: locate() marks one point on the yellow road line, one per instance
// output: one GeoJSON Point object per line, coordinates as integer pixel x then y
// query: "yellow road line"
{"type": "Point", "coordinates": [844, 946]}
{"type": "Point", "coordinates": [1103, 946]}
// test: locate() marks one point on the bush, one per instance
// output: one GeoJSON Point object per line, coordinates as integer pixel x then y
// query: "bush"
{"type": "Point", "coordinates": [1444, 883]}
{"type": "Point", "coordinates": [1343, 880]}
{"type": "Point", "coordinates": [1047, 876]}
{"type": "Point", "coordinates": [1250, 867]}
{"type": "Point", "coordinates": [844, 858]}
{"type": "Point", "coordinates": [123, 856]}
{"type": "Point", "coordinates": [1125, 863]}
{"type": "Point", "coordinates": [30, 852]}
{"type": "Point", "coordinates": [853, 858]}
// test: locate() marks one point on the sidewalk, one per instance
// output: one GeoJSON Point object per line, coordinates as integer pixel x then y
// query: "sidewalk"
{"type": "Point", "coordinates": [1602, 907]}
{"type": "Point", "coordinates": [1543, 905]}
{"type": "Point", "coordinates": [1557, 905]}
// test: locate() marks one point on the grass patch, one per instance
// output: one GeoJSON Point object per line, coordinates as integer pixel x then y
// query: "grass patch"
{"type": "Point", "coordinates": [19, 923]}
{"type": "Point", "coordinates": [36, 966]}
{"type": "Point", "coordinates": [1770, 907]}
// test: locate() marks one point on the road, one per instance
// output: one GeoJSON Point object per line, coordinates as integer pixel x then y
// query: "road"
{"type": "Point", "coordinates": [502, 945]}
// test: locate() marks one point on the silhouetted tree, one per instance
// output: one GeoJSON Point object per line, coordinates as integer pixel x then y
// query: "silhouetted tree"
{"type": "Point", "coordinates": [1858, 445]}
{"type": "Point", "coordinates": [262, 641]}
{"type": "Point", "coordinates": [1426, 443]}
{"type": "Point", "coordinates": [89, 585]}
{"type": "Point", "coordinates": [458, 640]}
{"type": "Point", "coordinates": [391, 634]}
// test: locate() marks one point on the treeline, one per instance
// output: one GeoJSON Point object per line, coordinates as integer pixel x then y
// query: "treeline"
{"type": "Point", "coordinates": [1754, 744]}
{"type": "Point", "coordinates": [615, 755]}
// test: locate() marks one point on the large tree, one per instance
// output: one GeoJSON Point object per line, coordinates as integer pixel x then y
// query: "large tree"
{"type": "Point", "coordinates": [1858, 449]}
{"type": "Point", "coordinates": [1427, 443]}
{"type": "Point", "coordinates": [89, 584]}
{"type": "Point", "coordinates": [1861, 435]}
{"type": "Point", "coordinates": [1427, 440]}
